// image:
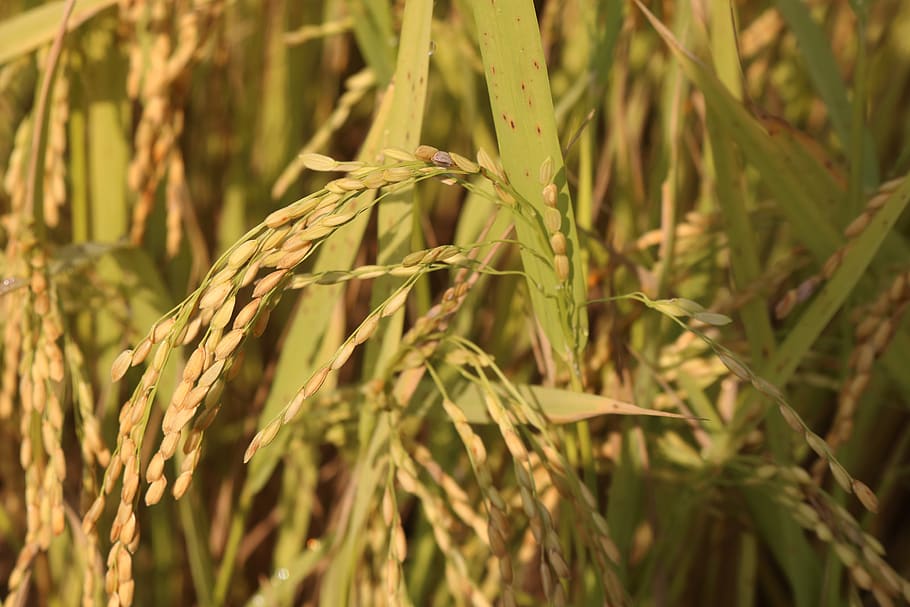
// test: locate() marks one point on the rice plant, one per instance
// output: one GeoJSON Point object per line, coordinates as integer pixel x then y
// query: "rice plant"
{"type": "Point", "coordinates": [479, 302]}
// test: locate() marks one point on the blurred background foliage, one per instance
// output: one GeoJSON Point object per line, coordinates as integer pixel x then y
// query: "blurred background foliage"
{"type": "Point", "coordinates": [748, 155]}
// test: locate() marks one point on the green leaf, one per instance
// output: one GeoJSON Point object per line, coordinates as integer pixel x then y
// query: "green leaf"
{"type": "Point", "coordinates": [798, 182]}
{"type": "Point", "coordinates": [396, 214]}
{"type": "Point", "coordinates": [560, 406]}
{"type": "Point", "coordinates": [29, 30]}
{"type": "Point", "coordinates": [522, 106]}
{"type": "Point", "coordinates": [825, 73]}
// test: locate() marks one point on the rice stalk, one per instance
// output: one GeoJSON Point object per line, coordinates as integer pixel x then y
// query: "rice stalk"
{"type": "Point", "coordinates": [260, 265]}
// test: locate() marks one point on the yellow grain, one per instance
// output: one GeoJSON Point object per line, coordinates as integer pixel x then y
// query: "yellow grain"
{"type": "Point", "coordinates": [318, 162]}
{"type": "Point", "coordinates": [397, 174]}
{"type": "Point", "coordinates": [290, 260]}
{"type": "Point", "coordinates": [247, 314]}
{"type": "Point", "coordinates": [182, 484]}
{"type": "Point", "coordinates": [394, 303]}
{"type": "Point", "coordinates": [155, 491]}
{"type": "Point", "coordinates": [169, 445]}
{"type": "Point", "coordinates": [194, 365]}
{"type": "Point", "coordinates": [222, 317]}
{"type": "Point", "coordinates": [228, 344]}
{"type": "Point", "coordinates": [155, 469]}
{"type": "Point", "coordinates": [466, 165]}
{"type": "Point", "coordinates": [268, 283]}
{"type": "Point", "coordinates": [558, 243]}
{"type": "Point", "coordinates": [344, 353]}
{"type": "Point", "coordinates": [425, 152]}
{"type": "Point", "coordinates": [315, 382]}
{"type": "Point", "coordinates": [865, 495]}
{"type": "Point", "coordinates": [121, 364]}
{"type": "Point", "coordinates": [562, 267]}
{"type": "Point", "coordinates": [125, 593]}
{"type": "Point", "coordinates": [212, 373]}
{"type": "Point", "coordinates": [366, 329]}
{"type": "Point", "coordinates": [161, 330]}
{"type": "Point", "coordinates": [550, 195]}
{"type": "Point", "coordinates": [215, 295]}
{"type": "Point", "coordinates": [193, 399]}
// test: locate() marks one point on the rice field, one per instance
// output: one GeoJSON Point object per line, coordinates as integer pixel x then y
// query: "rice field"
{"type": "Point", "coordinates": [364, 302]}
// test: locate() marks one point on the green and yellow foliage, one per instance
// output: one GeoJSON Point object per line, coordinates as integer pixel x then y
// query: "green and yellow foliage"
{"type": "Point", "coordinates": [367, 302]}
